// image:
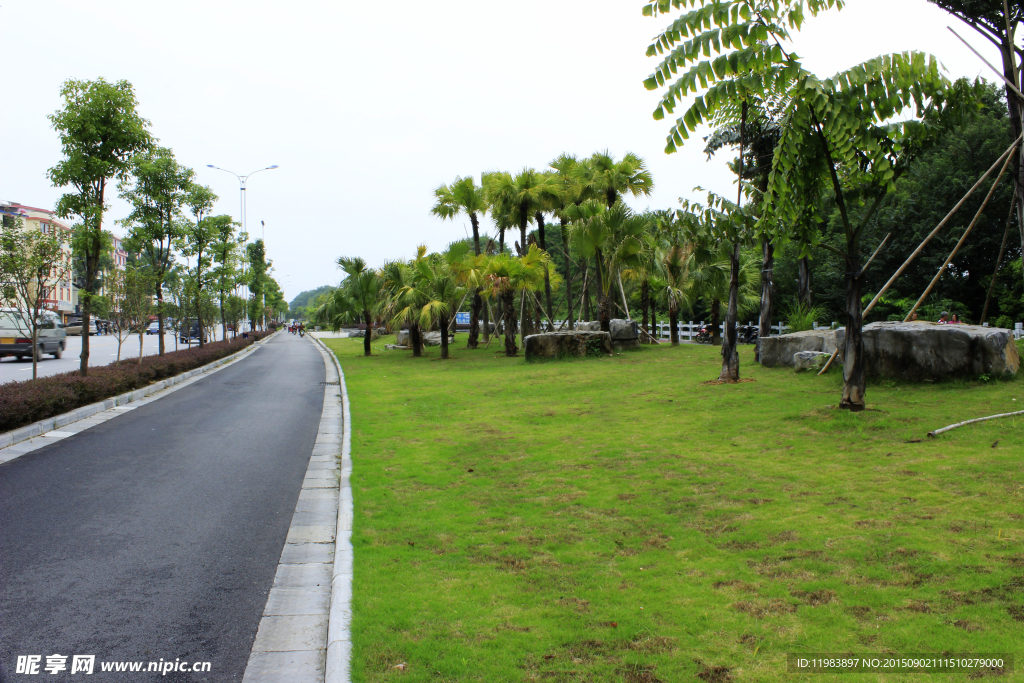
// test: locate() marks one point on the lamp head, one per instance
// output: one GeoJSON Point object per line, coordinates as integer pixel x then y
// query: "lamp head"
{"type": "Point", "coordinates": [210, 166]}
{"type": "Point", "coordinates": [274, 166]}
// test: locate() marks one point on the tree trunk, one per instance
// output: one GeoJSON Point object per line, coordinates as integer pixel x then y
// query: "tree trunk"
{"type": "Point", "coordinates": [35, 350]}
{"type": "Point", "coordinates": [568, 272]}
{"type": "Point", "coordinates": [853, 342]}
{"type": "Point", "coordinates": [443, 320]}
{"type": "Point", "coordinates": [542, 242]}
{"type": "Point", "coordinates": [767, 273]}
{"type": "Point", "coordinates": [487, 323]}
{"type": "Point", "coordinates": [586, 291]}
{"type": "Point", "coordinates": [414, 339]}
{"type": "Point", "coordinates": [645, 293]}
{"type": "Point", "coordinates": [730, 357]}
{"type": "Point", "coordinates": [673, 321]}
{"type": "Point", "coordinates": [1016, 124]}
{"type": "Point", "coordinates": [654, 318]}
{"type": "Point", "coordinates": [160, 317]}
{"type": "Point", "coordinates": [369, 332]}
{"type": "Point", "coordinates": [223, 322]}
{"type": "Point", "coordinates": [92, 261]}
{"type": "Point", "coordinates": [804, 283]}
{"type": "Point", "coordinates": [509, 323]}
{"type": "Point", "coordinates": [140, 348]}
{"type": "Point", "coordinates": [474, 319]}
{"type": "Point", "coordinates": [602, 297]}
{"type": "Point", "coordinates": [716, 311]}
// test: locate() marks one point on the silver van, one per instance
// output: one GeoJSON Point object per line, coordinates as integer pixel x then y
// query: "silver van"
{"type": "Point", "coordinates": [16, 335]}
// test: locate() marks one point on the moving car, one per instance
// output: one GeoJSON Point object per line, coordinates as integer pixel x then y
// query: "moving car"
{"type": "Point", "coordinates": [75, 328]}
{"type": "Point", "coordinates": [154, 328]}
{"type": "Point", "coordinates": [16, 335]}
{"type": "Point", "coordinates": [189, 331]}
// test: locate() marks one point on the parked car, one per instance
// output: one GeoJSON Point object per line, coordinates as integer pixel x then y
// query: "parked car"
{"type": "Point", "coordinates": [189, 331]}
{"type": "Point", "coordinates": [16, 340]}
{"type": "Point", "coordinates": [154, 327]}
{"type": "Point", "coordinates": [75, 328]}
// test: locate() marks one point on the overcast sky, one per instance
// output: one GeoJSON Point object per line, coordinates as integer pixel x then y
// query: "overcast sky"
{"type": "Point", "coordinates": [367, 107]}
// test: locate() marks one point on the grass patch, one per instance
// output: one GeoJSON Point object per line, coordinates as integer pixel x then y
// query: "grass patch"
{"type": "Point", "coordinates": [618, 520]}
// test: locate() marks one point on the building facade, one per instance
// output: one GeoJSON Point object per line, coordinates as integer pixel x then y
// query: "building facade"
{"type": "Point", "coordinates": [63, 294]}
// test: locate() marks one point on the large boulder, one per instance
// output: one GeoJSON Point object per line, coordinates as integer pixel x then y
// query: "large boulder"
{"type": "Point", "coordinates": [589, 327]}
{"type": "Point", "coordinates": [920, 350]}
{"type": "Point", "coordinates": [402, 338]}
{"type": "Point", "coordinates": [625, 334]}
{"type": "Point", "coordinates": [434, 338]}
{"type": "Point", "coordinates": [809, 360]}
{"type": "Point", "coordinates": [782, 349]}
{"type": "Point", "coordinates": [565, 344]}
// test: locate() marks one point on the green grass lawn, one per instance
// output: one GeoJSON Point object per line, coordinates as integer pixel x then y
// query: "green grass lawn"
{"type": "Point", "coordinates": [614, 519]}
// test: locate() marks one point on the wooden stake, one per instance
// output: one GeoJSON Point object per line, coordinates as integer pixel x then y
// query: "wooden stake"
{"type": "Point", "coordinates": [977, 419]}
{"type": "Point", "coordinates": [967, 232]}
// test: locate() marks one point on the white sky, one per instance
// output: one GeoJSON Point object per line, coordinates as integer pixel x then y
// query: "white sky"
{"type": "Point", "coordinates": [367, 107]}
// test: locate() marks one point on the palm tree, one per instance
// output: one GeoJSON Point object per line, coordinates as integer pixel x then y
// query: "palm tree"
{"type": "Point", "coordinates": [441, 290]}
{"type": "Point", "coordinates": [570, 193]}
{"type": "Point", "coordinates": [465, 196]}
{"type": "Point", "coordinates": [614, 237]}
{"type": "Point", "coordinates": [505, 275]}
{"type": "Point", "coordinates": [611, 179]}
{"type": "Point", "coordinates": [363, 287]}
{"type": "Point", "coordinates": [518, 198]}
{"type": "Point", "coordinates": [402, 299]}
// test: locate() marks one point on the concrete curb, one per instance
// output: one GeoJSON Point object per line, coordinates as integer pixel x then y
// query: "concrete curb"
{"type": "Point", "coordinates": [51, 423]}
{"type": "Point", "coordinates": [339, 637]}
{"type": "Point", "coordinates": [308, 605]}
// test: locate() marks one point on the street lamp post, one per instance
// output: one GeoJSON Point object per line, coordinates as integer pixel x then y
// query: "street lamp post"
{"type": "Point", "coordinates": [241, 188]}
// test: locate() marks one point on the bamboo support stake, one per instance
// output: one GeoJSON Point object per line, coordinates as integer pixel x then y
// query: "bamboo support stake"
{"type": "Point", "coordinates": [942, 223]}
{"type": "Point", "coordinates": [989, 64]}
{"type": "Point", "coordinates": [999, 260]}
{"type": "Point", "coordinates": [977, 419]}
{"type": "Point", "coordinates": [959, 244]}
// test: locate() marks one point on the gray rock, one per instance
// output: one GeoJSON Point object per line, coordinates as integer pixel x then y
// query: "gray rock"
{"type": "Point", "coordinates": [589, 327]}
{"type": "Point", "coordinates": [809, 360]}
{"type": "Point", "coordinates": [402, 338]}
{"type": "Point", "coordinates": [565, 344]}
{"type": "Point", "coordinates": [434, 339]}
{"type": "Point", "coordinates": [396, 347]}
{"type": "Point", "coordinates": [781, 350]}
{"type": "Point", "coordinates": [920, 350]}
{"type": "Point", "coordinates": [625, 334]}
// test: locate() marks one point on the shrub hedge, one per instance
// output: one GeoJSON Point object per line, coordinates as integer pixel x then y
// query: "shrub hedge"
{"type": "Point", "coordinates": [23, 403]}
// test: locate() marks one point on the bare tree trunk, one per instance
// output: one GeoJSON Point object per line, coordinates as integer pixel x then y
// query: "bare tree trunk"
{"type": "Point", "coordinates": [414, 339]}
{"type": "Point", "coordinates": [804, 282]}
{"type": "Point", "coordinates": [35, 350]}
{"type": "Point", "coordinates": [547, 279]}
{"type": "Point", "coordinates": [509, 323]}
{"type": "Point", "coordinates": [92, 262]}
{"type": "Point", "coordinates": [853, 343]}
{"type": "Point", "coordinates": [673, 321]}
{"type": "Point", "coordinates": [568, 271]}
{"type": "Point", "coordinates": [487, 323]}
{"type": "Point", "coordinates": [160, 318]}
{"type": "Point", "coordinates": [586, 292]}
{"type": "Point", "coordinates": [140, 348]}
{"type": "Point", "coordinates": [730, 357]}
{"type": "Point", "coordinates": [645, 295]}
{"type": "Point", "coordinates": [602, 297]}
{"type": "Point", "coordinates": [654, 317]}
{"type": "Point", "coordinates": [367, 338]}
{"type": "Point", "coordinates": [767, 274]}
{"type": "Point", "coordinates": [443, 320]}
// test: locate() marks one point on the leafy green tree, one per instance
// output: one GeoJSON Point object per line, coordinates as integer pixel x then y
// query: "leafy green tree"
{"type": "Point", "coordinates": [306, 301]}
{"type": "Point", "coordinates": [32, 263]}
{"type": "Point", "coordinates": [840, 136]}
{"type": "Point", "coordinates": [155, 223]}
{"type": "Point", "coordinates": [226, 249]}
{"type": "Point", "coordinates": [605, 177]}
{"type": "Point", "coordinates": [100, 131]}
{"type": "Point", "coordinates": [465, 196]}
{"type": "Point", "coordinates": [258, 266]}
{"type": "Point", "coordinates": [402, 299]}
{"type": "Point", "coordinates": [198, 235]}
{"type": "Point", "coordinates": [517, 198]}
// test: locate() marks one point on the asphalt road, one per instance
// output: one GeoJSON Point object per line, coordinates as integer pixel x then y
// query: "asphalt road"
{"type": "Point", "coordinates": [157, 534]}
{"type": "Point", "coordinates": [102, 350]}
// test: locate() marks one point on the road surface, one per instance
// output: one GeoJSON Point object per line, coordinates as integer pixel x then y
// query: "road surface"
{"type": "Point", "coordinates": [157, 534]}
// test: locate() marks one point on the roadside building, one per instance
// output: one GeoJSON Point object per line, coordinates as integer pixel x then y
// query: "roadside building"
{"type": "Point", "coordinates": [63, 294]}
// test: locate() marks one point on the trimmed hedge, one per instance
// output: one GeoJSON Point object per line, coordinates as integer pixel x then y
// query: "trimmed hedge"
{"type": "Point", "coordinates": [31, 400]}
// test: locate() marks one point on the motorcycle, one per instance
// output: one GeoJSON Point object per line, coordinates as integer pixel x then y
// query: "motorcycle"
{"type": "Point", "coordinates": [703, 335]}
{"type": "Point", "coordinates": [747, 334]}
